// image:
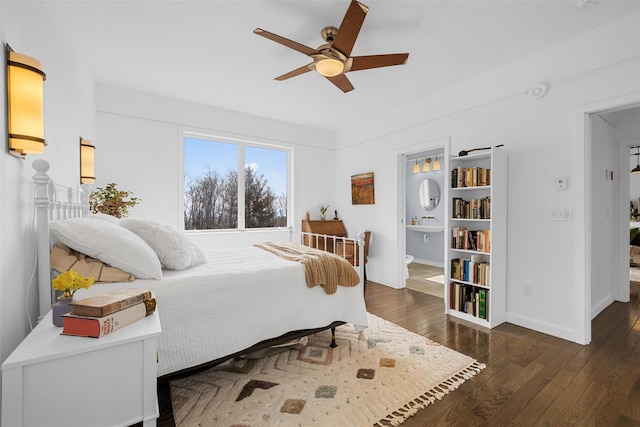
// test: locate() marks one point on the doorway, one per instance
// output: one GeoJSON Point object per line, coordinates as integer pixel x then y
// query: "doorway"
{"type": "Point", "coordinates": [421, 255]}
{"type": "Point", "coordinates": [609, 130]}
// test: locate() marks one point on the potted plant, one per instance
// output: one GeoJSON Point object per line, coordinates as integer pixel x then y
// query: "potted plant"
{"type": "Point", "coordinates": [111, 201]}
{"type": "Point", "coordinates": [67, 283]}
{"type": "Point", "coordinates": [323, 212]}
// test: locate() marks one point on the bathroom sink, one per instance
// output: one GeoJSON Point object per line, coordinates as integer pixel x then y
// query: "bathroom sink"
{"type": "Point", "coordinates": [426, 228]}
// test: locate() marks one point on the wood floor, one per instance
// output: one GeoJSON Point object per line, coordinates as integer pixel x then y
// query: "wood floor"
{"type": "Point", "coordinates": [531, 379]}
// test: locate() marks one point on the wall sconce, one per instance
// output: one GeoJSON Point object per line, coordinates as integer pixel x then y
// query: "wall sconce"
{"type": "Point", "coordinates": [416, 168]}
{"type": "Point", "coordinates": [87, 170]}
{"type": "Point", "coordinates": [25, 92]}
{"type": "Point", "coordinates": [637, 168]}
{"type": "Point", "coordinates": [425, 166]}
{"type": "Point", "coordinates": [436, 164]}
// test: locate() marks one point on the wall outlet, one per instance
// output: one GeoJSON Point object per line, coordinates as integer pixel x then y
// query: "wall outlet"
{"type": "Point", "coordinates": [526, 290]}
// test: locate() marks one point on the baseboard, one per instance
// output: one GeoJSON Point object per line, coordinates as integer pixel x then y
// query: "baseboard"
{"type": "Point", "coordinates": [601, 305]}
{"type": "Point", "coordinates": [545, 328]}
{"type": "Point", "coordinates": [427, 262]}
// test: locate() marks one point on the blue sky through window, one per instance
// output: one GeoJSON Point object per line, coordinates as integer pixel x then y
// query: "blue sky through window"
{"type": "Point", "coordinates": [201, 155]}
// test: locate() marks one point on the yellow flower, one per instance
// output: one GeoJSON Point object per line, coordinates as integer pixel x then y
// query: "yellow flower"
{"type": "Point", "coordinates": [69, 282]}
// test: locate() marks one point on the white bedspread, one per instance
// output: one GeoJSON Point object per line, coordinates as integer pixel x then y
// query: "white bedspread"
{"type": "Point", "coordinates": [239, 298]}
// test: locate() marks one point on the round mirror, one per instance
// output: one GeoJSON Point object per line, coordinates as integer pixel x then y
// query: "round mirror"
{"type": "Point", "coordinates": [429, 194]}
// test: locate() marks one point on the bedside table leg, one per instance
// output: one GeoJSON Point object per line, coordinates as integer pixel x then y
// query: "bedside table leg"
{"type": "Point", "coordinates": [150, 402]}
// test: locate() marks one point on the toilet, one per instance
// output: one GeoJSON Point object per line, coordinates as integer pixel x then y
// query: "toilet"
{"type": "Point", "coordinates": [408, 259]}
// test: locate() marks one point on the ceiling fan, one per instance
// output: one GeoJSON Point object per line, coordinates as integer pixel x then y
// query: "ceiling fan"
{"type": "Point", "coordinates": [332, 59]}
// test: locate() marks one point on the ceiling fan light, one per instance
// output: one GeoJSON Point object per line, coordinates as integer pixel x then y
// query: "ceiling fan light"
{"type": "Point", "coordinates": [329, 67]}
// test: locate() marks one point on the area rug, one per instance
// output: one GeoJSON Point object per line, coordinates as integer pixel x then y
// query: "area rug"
{"type": "Point", "coordinates": [376, 378]}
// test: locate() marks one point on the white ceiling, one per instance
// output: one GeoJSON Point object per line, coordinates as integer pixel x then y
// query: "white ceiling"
{"type": "Point", "coordinates": [206, 52]}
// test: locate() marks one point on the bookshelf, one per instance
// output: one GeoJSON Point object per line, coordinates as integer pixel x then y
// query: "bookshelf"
{"type": "Point", "coordinates": [475, 286]}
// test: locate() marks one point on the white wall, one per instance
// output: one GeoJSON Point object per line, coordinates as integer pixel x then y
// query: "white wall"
{"type": "Point", "coordinates": [69, 114]}
{"type": "Point", "coordinates": [538, 134]}
{"type": "Point", "coordinates": [139, 147]}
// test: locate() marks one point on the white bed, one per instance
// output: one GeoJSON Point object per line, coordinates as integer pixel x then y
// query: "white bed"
{"type": "Point", "coordinates": [235, 300]}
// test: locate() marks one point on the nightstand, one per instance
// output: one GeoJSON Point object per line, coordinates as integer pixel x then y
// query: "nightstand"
{"type": "Point", "coordinates": [60, 380]}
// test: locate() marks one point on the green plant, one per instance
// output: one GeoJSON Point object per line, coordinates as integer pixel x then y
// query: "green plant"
{"type": "Point", "coordinates": [111, 201]}
{"type": "Point", "coordinates": [323, 209]}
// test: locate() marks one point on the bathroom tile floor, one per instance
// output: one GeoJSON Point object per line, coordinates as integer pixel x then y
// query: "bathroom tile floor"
{"type": "Point", "coordinates": [418, 279]}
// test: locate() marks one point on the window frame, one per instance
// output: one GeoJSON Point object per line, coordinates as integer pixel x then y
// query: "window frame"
{"type": "Point", "coordinates": [241, 144]}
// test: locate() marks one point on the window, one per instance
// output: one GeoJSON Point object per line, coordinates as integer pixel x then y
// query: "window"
{"type": "Point", "coordinates": [212, 196]}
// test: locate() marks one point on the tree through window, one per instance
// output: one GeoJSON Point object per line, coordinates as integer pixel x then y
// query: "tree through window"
{"type": "Point", "coordinates": [212, 196]}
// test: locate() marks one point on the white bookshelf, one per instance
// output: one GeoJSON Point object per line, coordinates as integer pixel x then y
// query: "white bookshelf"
{"type": "Point", "coordinates": [463, 291]}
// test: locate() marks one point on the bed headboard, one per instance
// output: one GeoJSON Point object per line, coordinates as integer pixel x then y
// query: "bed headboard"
{"type": "Point", "coordinates": [51, 202]}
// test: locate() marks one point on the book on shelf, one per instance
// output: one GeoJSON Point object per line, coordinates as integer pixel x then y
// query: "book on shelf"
{"type": "Point", "coordinates": [473, 240]}
{"type": "Point", "coordinates": [471, 209]}
{"type": "Point", "coordinates": [96, 327]}
{"type": "Point", "coordinates": [470, 177]}
{"type": "Point", "coordinates": [482, 304]}
{"type": "Point", "coordinates": [475, 267]}
{"type": "Point", "coordinates": [109, 302]}
{"type": "Point", "coordinates": [469, 299]}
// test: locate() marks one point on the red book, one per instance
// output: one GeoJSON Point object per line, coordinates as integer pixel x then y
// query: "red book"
{"type": "Point", "coordinates": [96, 327]}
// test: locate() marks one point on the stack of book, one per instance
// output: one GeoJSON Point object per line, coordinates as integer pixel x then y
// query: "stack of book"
{"type": "Point", "coordinates": [471, 240]}
{"type": "Point", "coordinates": [470, 177]}
{"type": "Point", "coordinates": [102, 314]}
{"type": "Point", "coordinates": [473, 209]}
{"type": "Point", "coordinates": [474, 270]}
{"type": "Point", "coordinates": [469, 299]}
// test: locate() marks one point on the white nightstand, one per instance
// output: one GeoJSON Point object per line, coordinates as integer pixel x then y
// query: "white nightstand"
{"type": "Point", "coordinates": [60, 380]}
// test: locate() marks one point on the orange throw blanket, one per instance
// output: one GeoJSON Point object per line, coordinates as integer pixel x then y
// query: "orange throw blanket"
{"type": "Point", "coordinates": [320, 268]}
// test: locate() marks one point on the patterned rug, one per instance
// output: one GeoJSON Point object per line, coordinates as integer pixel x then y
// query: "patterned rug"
{"type": "Point", "coordinates": [379, 377]}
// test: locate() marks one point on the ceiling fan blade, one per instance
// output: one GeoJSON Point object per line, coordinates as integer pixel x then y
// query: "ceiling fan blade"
{"type": "Point", "coordinates": [350, 28]}
{"type": "Point", "coordinates": [296, 72]}
{"type": "Point", "coordinates": [376, 61]}
{"type": "Point", "coordinates": [342, 82]}
{"type": "Point", "coordinates": [286, 42]}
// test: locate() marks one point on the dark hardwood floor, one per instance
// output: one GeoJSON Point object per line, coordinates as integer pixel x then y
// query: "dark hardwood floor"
{"type": "Point", "coordinates": [531, 379]}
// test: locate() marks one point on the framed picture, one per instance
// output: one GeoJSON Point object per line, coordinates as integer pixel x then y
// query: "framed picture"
{"type": "Point", "coordinates": [362, 189]}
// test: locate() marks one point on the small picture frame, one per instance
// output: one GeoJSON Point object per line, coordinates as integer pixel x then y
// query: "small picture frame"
{"type": "Point", "coordinates": [362, 189]}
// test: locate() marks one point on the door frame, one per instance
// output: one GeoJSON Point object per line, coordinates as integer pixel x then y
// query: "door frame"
{"type": "Point", "coordinates": [401, 196]}
{"type": "Point", "coordinates": [583, 216]}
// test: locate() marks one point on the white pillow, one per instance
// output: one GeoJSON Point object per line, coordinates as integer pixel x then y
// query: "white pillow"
{"type": "Point", "coordinates": [104, 217]}
{"type": "Point", "coordinates": [175, 250]}
{"type": "Point", "coordinates": [110, 244]}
